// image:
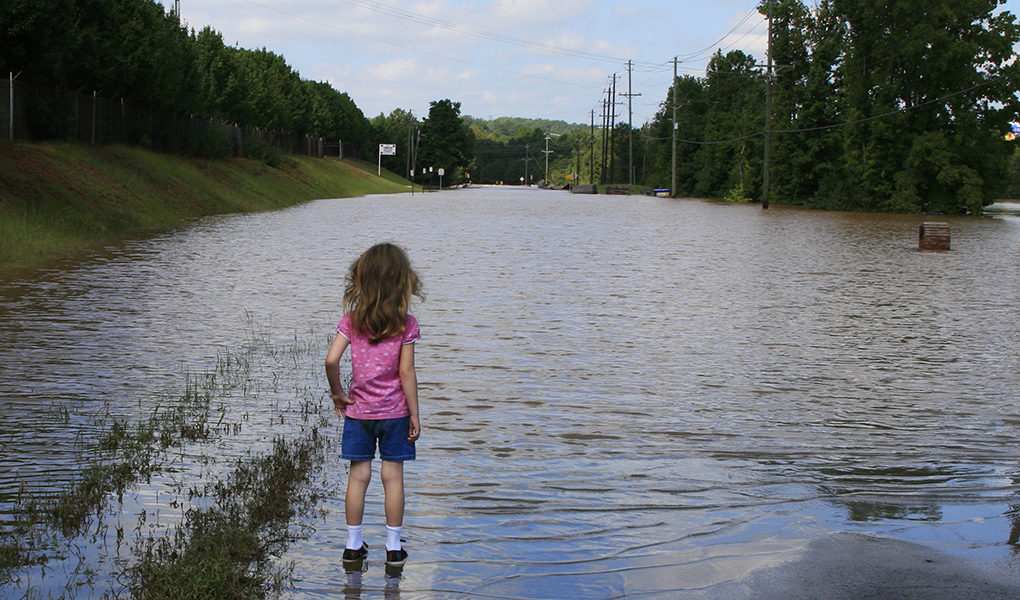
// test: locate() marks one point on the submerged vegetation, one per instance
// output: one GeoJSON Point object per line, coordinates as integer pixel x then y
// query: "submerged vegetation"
{"type": "Point", "coordinates": [219, 518]}
{"type": "Point", "coordinates": [225, 550]}
{"type": "Point", "coordinates": [126, 453]}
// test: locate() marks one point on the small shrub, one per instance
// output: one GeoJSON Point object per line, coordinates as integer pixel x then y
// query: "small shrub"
{"type": "Point", "coordinates": [262, 151]}
{"type": "Point", "coordinates": [737, 195]}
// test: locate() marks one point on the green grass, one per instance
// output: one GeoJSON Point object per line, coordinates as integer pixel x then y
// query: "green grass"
{"type": "Point", "coordinates": [122, 454]}
{"type": "Point", "coordinates": [125, 453]}
{"type": "Point", "coordinates": [225, 550]}
{"type": "Point", "coordinates": [57, 198]}
{"type": "Point", "coordinates": [235, 526]}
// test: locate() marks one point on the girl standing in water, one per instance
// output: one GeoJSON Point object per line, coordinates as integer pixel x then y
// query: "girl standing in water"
{"type": "Point", "coordinates": [381, 406]}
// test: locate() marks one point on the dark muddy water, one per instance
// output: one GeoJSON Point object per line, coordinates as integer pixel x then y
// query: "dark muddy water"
{"type": "Point", "coordinates": [621, 396]}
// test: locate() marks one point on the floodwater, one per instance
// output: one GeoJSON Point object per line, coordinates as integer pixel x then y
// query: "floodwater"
{"type": "Point", "coordinates": [621, 396]}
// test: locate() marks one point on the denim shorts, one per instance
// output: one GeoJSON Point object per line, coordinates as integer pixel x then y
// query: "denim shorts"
{"type": "Point", "coordinates": [360, 437]}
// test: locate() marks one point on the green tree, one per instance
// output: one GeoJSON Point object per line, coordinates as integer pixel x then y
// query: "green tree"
{"type": "Point", "coordinates": [34, 38]}
{"type": "Point", "coordinates": [568, 150]}
{"type": "Point", "coordinates": [491, 161]}
{"type": "Point", "coordinates": [817, 175]}
{"type": "Point", "coordinates": [735, 95]}
{"type": "Point", "coordinates": [792, 163]}
{"type": "Point", "coordinates": [275, 89]}
{"type": "Point", "coordinates": [876, 106]}
{"type": "Point", "coordinates": [447, 142]}
{"type": "Point", "coordinates": [221, 85]}
{"type": "Point", "coordinates": [947, 67]}
{"type": "Point", "coordinates": [35, 46]}
{"type": "Point", "coordinates": [691, 110]}
{"type": "Point", "coordinates": [396, 128]}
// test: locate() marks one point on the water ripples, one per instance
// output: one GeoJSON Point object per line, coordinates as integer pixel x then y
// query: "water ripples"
{"type": "Point", "coordinates": [621, 396]}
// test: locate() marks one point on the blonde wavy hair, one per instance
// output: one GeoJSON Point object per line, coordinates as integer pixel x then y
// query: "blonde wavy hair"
{"type": "Point", "coordinates": [378, 291]}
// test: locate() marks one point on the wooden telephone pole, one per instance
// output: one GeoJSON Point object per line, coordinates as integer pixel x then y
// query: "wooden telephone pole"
{"type": "Point", "coordinates": [769, 76]}
{"type": "Point", "coordinates": [672, 180]}
{"type": "Point", "coordinates": [630, 126]}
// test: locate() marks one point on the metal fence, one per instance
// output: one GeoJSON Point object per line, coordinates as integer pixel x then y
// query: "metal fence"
{"type": "Point", "coordinates": [32, 113]}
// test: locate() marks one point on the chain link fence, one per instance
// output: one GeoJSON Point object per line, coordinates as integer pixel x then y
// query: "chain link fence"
{"type": "Point", "coordinates": [31, 113]}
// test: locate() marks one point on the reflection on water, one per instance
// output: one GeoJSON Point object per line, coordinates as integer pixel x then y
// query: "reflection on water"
{"type": "Point", "coordinates": [621, 396]}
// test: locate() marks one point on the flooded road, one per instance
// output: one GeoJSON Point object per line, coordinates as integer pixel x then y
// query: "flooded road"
{"type": "Point", "coordinates": [621, 396]}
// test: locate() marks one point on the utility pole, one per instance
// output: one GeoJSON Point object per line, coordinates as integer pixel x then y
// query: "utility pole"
{"type": "Point", "coordinates": [526, 148]}
{"type": "Point", "coordinates": [414, 158]}
{"type": "Point", "coordinates": [630, 125]}
{"type": "Point", "coordinates": [577, 162]}
{"type": "Point", "coordinates": [591, 150]}
{"type": "Point", "coordinates": [612, 135]}
{"type": "Point", "coordinates": [547, 152]}
{"type": "Point", "coordinates": [672, 181]}
{"type": "Point", "coordinates": [410, 141]}
{"type": "Point", "coordinates": [605, 126]}
{"type": "Point", "coordinates": [768, 112]}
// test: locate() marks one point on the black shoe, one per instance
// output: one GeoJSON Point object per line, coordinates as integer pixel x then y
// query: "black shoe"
{"type": "Point", "coordinates": [396, 558]}
{"type": "Point", "coordinates": [354, 556]}
{"type": "Point", "coordinates": [393, 575]}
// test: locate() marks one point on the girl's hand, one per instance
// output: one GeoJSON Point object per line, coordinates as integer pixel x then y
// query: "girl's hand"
{"type": "Point", "coordinates": [414, 430]}
{"type": "Point", "coordinates": [340, 403]}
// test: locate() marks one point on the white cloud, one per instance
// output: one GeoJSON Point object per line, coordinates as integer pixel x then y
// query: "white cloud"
{"type": "Point", "coordinates": [537, 12]}
{"type": "Point", "coordinates": [627, 11]}
{"type": "Point", "coordinates": [604, 46]}
{"type": "Point", "coordinates": [395, 70]}
{"type": "Point", "coordinates": [385, 61]}
{"type": "Point", "coordinates": [568, 39]}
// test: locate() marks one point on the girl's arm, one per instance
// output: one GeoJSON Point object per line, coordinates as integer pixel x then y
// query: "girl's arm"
{"type": "Point", "coordinates": [336, 389]}
{"type": "Point", "coordinates": [409, 383]}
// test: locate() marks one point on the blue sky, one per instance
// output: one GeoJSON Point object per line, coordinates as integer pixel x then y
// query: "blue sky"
{"type": "Point", "coordinates": [524, 58]}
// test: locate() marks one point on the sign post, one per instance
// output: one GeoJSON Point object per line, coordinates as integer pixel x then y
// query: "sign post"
{"type": "Point", "coordinates": [388, 150]}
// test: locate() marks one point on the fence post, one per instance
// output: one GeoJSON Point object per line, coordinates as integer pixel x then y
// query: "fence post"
{"type": "Point", "coordinates": [93, 117]}
{"type": "Point", "coordinates": [10, 106]}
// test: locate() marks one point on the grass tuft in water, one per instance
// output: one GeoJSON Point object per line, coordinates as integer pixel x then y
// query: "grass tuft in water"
{"type": "Point", "coordinates": [233, 528]}
{"type": "Point", "coordinates": [121, 455]}
{"type": "Point", "coordinates": [126, 453]}
{"type": "Point", "coordinates": [10, 558]}
{"type": "Point", "coordinates": [226, 550]}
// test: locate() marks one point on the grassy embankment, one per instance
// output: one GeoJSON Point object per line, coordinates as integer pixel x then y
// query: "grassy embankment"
{"type": "Point", "coordinates": [57, 199]}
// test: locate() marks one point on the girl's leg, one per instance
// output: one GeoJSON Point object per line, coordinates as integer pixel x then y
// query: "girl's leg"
{"type": "Point", "coordinates": [393, 485]}
{"type": "Point", "coordinates": [357, 484]}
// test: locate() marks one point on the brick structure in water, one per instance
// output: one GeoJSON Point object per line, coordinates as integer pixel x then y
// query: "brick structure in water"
{"type": "Point", "coordinates": [933, 236]}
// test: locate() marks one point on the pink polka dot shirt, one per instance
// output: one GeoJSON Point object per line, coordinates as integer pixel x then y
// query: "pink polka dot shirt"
{"type": "Point", "coordinates": [375, 383]}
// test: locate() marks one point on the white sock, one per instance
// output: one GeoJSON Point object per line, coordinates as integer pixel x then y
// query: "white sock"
{"type": "Point", "coordinates": [354, 540]}
{"type": "Point", "coordinates": [393, 537]}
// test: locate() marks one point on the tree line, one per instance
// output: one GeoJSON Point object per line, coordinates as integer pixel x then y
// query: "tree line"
{"type": "Point", "coordinates": [877, 106]}
{"type": "Point", "coordinates": [874, 105]}
{"type": "Point", "coordinates": [891, 106]}
{"type": "Point", "coordinates": [135, 51]}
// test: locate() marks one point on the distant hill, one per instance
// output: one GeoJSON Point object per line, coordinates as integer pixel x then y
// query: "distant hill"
{"type": "Point", "coordinates": [505, 128]}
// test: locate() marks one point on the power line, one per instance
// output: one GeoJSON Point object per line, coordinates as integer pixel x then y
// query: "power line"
{"type": "Point", "coordinates": [711, 47]}
{"type": "Point", "coordinates": [890, 113]}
